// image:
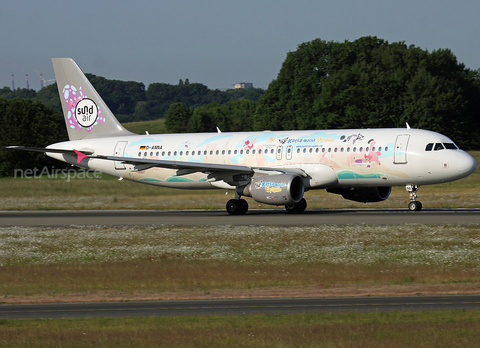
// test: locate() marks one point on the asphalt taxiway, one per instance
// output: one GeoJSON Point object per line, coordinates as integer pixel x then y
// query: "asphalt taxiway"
{"type": "Point", "coordinates": [260, 217]}
{"type": "Point", "coordinates": [238, 307]}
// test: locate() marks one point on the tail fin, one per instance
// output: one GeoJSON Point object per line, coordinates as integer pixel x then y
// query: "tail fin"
{"type": "Point", "coordinates": [86, 114]}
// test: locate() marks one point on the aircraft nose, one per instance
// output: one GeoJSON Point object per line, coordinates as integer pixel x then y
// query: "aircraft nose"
{"type": "Point", "coordinates": [466, 164]}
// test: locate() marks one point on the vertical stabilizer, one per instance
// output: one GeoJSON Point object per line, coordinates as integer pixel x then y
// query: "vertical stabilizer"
{"type": "Point", "coordinates": [86, 114]}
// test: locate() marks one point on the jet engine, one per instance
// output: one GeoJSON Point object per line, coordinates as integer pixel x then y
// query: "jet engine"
{"type": "Point", "coordinates": [281, 189]}
{"type": "Point", "coordinates": [363, 194]}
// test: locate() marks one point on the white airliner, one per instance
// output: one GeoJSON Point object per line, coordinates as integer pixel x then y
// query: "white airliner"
{"type": "Point", "coordinates": [272, 167]}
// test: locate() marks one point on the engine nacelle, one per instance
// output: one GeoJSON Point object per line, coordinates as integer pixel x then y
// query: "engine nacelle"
{"type": "Point", "coordinates": [281, 189]}
{"type": "Point", "coordinates": [363, 194]}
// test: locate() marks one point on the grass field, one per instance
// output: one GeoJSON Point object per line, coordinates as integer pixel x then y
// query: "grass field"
{"type": "Point", "coordinates": [400, 329]}
{"type": "Point", "coordinates": [161, 262]}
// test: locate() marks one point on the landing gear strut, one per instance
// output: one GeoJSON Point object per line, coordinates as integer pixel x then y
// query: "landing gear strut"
{"type": "Point", "coordinates": [413, 205]}
{"type": "Point", "coordinates": [297, 207]}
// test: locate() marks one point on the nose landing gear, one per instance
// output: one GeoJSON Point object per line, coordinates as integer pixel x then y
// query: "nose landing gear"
{"type": "Point", "coordinates": [413, 205]}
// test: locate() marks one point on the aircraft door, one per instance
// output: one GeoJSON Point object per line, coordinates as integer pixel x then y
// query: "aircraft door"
{"type": "Point", "coordinates": [289, 152]}
{"type": "Point", "coordinates": [400, 151]}
{"type": "Point", "coordinates": [119, 151]}
{"type": "Point", "coordinates": [279, 152]}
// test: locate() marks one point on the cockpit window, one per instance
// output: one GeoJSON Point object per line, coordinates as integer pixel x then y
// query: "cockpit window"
{"type": "Point", "coordinates": [438, 146]}
{"type": "Point", "coordinates": [450, 146]}
{"type": "Point", "coordinates": [429, 147]}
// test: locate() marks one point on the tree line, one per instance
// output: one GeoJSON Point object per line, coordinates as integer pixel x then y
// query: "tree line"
{"type": "Point", "coordinates": [130, 101]}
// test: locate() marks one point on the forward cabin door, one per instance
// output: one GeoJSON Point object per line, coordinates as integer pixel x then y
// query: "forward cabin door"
{"type": "Point", "coordinates": [119, 151]}
{"type": "Point", "coordinates": [400, 151]}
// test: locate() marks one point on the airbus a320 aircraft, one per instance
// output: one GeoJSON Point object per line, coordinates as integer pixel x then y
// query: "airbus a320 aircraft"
{"type": "Point", "coordinates": [272, 167]}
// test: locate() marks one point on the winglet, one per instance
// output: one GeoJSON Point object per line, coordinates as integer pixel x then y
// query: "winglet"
{"type": "Point", "coordinates": [80, 156]}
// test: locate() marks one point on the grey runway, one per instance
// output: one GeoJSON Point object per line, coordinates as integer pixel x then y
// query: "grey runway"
{"type": "Point", "coordinates": [239, 307]}
{"type": "Point", "coordinates": [270, 217]}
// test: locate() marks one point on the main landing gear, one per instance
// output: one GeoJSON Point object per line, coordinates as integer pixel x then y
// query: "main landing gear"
{"type": "Point", "coordinates": [413, 205]}
{"type": "Point", "coordinates": [237, 206]}
{"type": "Point", "coordinates": [297, 207]}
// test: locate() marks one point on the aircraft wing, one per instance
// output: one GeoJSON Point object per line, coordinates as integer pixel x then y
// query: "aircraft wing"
{"type": "Point", "coordinates": [230, 173]}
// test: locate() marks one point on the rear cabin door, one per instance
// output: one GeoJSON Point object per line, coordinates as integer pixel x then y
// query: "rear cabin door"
{"type": "Point", "coordinates": [289, 152]}
{"type": "Point", "coordinates": [279, 152]}
{"type": "Point", "coordinates": [119, 151]}
{"type": "Point", "coordinates": [400, 151]}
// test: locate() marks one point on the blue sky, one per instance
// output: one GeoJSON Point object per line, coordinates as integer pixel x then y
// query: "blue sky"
{"type": "Point", "coordinates": [214, 42]}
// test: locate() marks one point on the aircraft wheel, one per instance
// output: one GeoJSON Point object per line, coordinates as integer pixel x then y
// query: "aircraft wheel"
{"type": "Point", "coordinates": [302, 205]}
{"type": "Point", "coordinates": [237, 206]}
{"type": "Point", "coordinates": [415, 206]}
{"type": "Point", "coordinates": [244, 206]}
{"type": "Point", "coordinates": [297, 207]}
{"type": "Point", "coordinates": [290, 208]}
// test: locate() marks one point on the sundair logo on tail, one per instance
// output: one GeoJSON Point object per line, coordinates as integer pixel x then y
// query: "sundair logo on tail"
{"type": "Point", "coordinates": [83, 113]}
{"type": "Point", "coordinates": [86, 112]}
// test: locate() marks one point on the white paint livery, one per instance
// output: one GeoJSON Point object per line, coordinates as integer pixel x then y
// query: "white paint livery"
{"type": "Point", "coordinates": [272, 167]}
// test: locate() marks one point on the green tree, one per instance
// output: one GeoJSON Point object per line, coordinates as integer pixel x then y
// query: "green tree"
{"type": "Point", "coordinates": [28, 123]}
{"type": "Point", "coordinates": [371, 83]}
{"type": "Point", "coordinates": [177, 118]}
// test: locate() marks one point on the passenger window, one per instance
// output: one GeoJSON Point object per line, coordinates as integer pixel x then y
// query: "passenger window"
{"type": "Point", "coordinates": [223, 152]}
{"type": "Point", "coordinates": [139, 154]}
{"type": "Point", "coordinates": [298, 150]}
{"type": "Point", "coordinates": [438, 146]}
{"type": "Point", "coordinates": [429, 147]}
{"type": "Point", "coordinates": [181, 153]}
{"type": "Point", "coordinates": [235, 152]}
{"type": "Point", "coordinates": [205, 152]}
{"type": "Point", "coordinates": [260, 151]}
{"type": "Point", "coordinates": [175, 153]}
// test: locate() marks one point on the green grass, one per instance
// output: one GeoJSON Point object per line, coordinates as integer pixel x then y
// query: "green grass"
{"type": "Point", "coordinates": [153, 127]}
{"type": "Point", "coordinates": [391, 329]}
{"type": "Point", "coordinates": [128, 262]}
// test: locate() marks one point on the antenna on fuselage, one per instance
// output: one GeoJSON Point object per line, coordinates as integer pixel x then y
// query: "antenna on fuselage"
{"type": "Point", "coordinates": [408, 126]}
